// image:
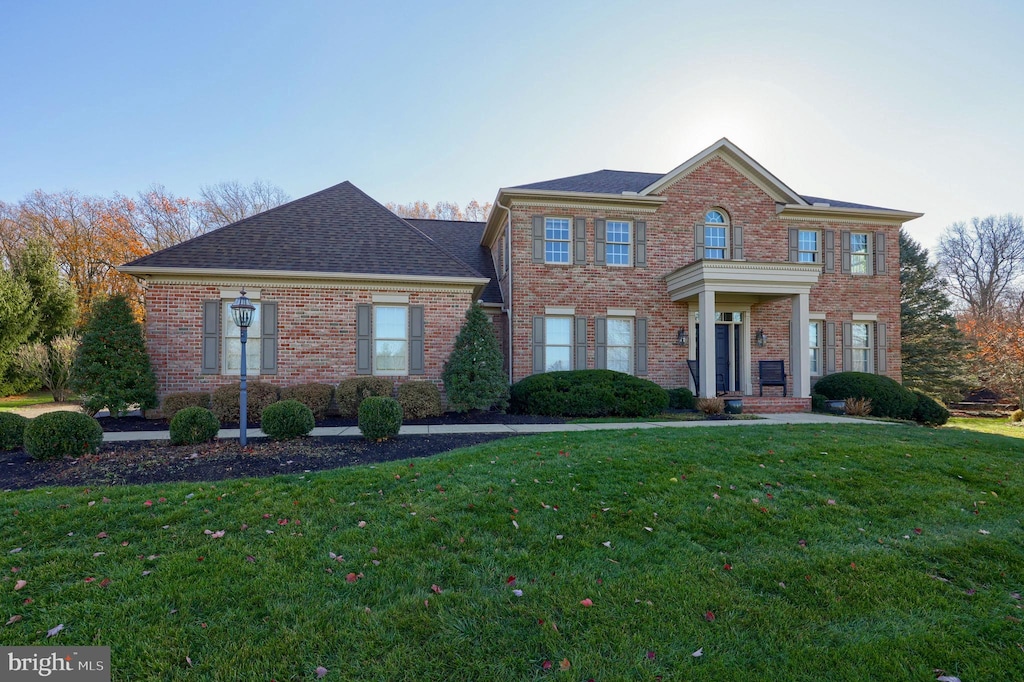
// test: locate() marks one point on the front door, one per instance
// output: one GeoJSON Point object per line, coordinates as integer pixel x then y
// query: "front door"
{"type": "Point", "coordinates": [722, 357]}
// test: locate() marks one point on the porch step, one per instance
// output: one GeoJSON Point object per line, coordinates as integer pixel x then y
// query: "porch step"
{"type": "Point", "coordinates": [753, 404]}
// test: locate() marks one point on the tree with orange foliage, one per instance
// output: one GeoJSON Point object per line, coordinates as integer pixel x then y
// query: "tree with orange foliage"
{"type": "Point", "coordinates": [442, 210]}
{"type": "Point", "coordinates": [998, 350]}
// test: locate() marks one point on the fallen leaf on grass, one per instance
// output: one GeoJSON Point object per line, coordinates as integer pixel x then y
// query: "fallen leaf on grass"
{"type": "Point", "coordinates": [727, 567]}
{"type": "Point", "coordinates": [564, 665]}
{"type": "Point", "coordinates": [698, 653]}
{"type": "Point", "coordinates": [515, 523]}
{"type": "Point", "coordinates": [13, 619]}
{"type": "Point", "coordinates": [89, 579]}
{"type": "Point", "coordinates": [984, 532]}
{"type": "Point", "coordinates": [320, 671]}
{"type": "Point", "coordinates": [102, 534]}
{"type": "Point", "coordinates": [15, 550]}
{"type": "Point", "coordinates": [351, 577]}
{"type": "Point", "coordinates": [104, 582]}
{"type": "Point", "coordinates": [546, 665]}
{"type": "Point", "coordinates": [607, 544]}
{"type": "Point", "coordinates": [917, 530]}
{"type": "Point", "coordinates": [947, 678]}
{"type": "Point", "coordinates": [147, 503]}
{"type": "Point", "coordinates": [52, 632]}
{"type": "Point", "coordinates": [20, 584]}
{"type": "Point", "coordinates": [651, 655]}
{"type": "Point", "coordinates": [831, 502]}
{"type": "Point", "coordinates": [188, 659]}
{"type": "Point", "coordinates": [511, 580]}
{"type": "Point", "coordinates": [435, 589]}
{"type": "Point", "coordinates": [709, 616]}
{"type": "Point", "coordinates": [362, 524]}
{"type": "Point", "coordinates": [587, 602]}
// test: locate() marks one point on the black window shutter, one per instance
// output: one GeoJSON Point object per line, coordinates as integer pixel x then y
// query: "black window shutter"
{"type": "Point", "coordinates": [737, 242]}
{"type": "Point", "coordinates": [830, 348]}
{"type": "Point", "coordinates": [830, 251]}
{"type": "Point", "coordinates": [538, 344]}
{"type": "Point", "coordinates": [580, 339]}
{"type": "Point", "coordinates": [698, 241]}
{"type": "Point", "coordinates": [794, 245]}
{"type": "Point", "coordinates": [364, 339]}
{"type": "Point", "coordinates": [599, 241]}
{"type": "Point", "coordinates": [880, 253]}
{"type": "Point", "coordinates": [600, 343]}
{"type": "Point", "coordinates": [538, 239]}
{"type": "Point", "coordinates": [579, 235]}
{"type": "Point", "coordinates": [211, 338]}
{"type": "Point", "coordinates": [844, 238]}
{"type": "Point", "coordinates": [417, 364]}
{"type": "Point", "coordinates": [268, 338]}
{"type": "Point", "coordinates": [640, 259]}
{"type": "Point", "coordinates": [881, 346]}
{"type": "Point", "coordinates": [847, 346]}
{"type": "Point", "coordinates": [641, 346]}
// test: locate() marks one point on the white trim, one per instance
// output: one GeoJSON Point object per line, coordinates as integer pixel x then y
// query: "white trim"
{"type": "Point", "coordinates": [743, 277]}
{"type": "Point", "coordinates": [252, 294]}
{"type": "Point", "coordinates": [391, 298]}
{"type": "Point", "coordinates": [621, 312]}
{"type": "Point", "coordinates": [146, 272]}
{"type": "Point", "coordinates": [865, 317]}
{"type": "Point", "coordinates": [835, 214]}
{"type": "Point", "coordinates": [554, 310]}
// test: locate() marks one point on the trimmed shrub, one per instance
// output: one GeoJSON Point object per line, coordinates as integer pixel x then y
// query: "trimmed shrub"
{"type": "Point", "coordinates": [419, 399]}
{"type": "Point", "coordinates": [711, 406]}
{"type": "Point", "coordinates": [112, 368]}
{"type": "Point", "coordinates": [12, 430]}
{"type": "Point", "coordinates": [352, 392]}
{"type": "Point", "coordinates": [857, 407]}
{"type": "Point", "coordinates": [317, 397]}
{"type": "Point", "coordinates": [287, 419]}
{"type": "Point", "coordinates": [1017, 416]}
{"type": "Point", "coordinates": [176, 402]}
{"type": "Point", "coordinates": [588, 393]}
{"type": "Point", "coordinates": [380, 417]}
{"type": "Point", "coordinates": [474, 374]}
{"type": "Point", "coordinates": [930, 411]}
{"type": "Point", "coordinates": [58, 434]}
{"type": "Point", "coordinates": [260, 395]}
{"type": "Point", "coordinates": [888, 398]}
{"type": "Point", "coordinates": [818, 403]}
{"type": "Point", "coordinates": [681, 399]}
{"type": "Point", "coordinates": [192, 425]}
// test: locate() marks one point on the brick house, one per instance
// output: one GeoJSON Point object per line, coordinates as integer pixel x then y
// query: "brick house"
{"type": "Point", "coordinates": [610, 269]}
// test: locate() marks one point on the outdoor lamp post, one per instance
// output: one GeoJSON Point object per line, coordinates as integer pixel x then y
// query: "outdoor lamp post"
{"type": "Point", "coordinates": [241, 312]}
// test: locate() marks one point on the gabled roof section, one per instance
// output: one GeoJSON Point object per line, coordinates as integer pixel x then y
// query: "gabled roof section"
{"type": "Point", "coordinates": [462, 238]}
{"type": "Point", "coordinates": [338, 230]}
{"type": "Point", "coordinates": [598, 182]}
{"type": "Point", "coordinates": [737, 158]}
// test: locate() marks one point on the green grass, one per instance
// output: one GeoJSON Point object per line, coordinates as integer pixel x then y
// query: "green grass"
{"type": "Point", "coordinates": [997, 425]}
{"type": "Point", "coordinates": [663, 417]}
{"type": "Point", "coordinates": [864, 597]}
{"type": "Point", "coordinates": [33, 398]}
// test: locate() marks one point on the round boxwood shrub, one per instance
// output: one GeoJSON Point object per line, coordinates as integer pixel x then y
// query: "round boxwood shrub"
{"type": "Point", "coordinates": [259, 394]}
{"type": "Point", "coordinates": [176, 402]}
{"type": "Point", "coordinates": [57, 434]}
{"type": "Point", "coordinates": [588, 393]}
{"type": "Point", "coordinates": [352, 392]}
{"type": "Point", "coordinates": [681, 399]}
{"type": "Point", "coordinates": [888, 398]}
{"type": "Point", "coordinates": [419, 399]}
{"type": "Point", "coordinates": [929, 411]}
{"type": "Point", "coordinates": [380, 417]}
{"type": "Point", "coordinates": [193, 425]}
{"type": "Point", "coordinates": [12, 430]}
{"type": "Point", "coordinates": [287, 419]}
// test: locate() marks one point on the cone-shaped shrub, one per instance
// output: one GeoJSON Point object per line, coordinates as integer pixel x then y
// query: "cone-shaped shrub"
{"type": "Point", "coordinates": [474, 375]}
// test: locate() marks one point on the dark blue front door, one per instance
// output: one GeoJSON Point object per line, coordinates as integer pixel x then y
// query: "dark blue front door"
{"type": "Point", "coordinates": [721, 356]}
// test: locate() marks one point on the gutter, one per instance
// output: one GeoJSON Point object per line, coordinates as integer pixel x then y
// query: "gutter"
{"type": "Point", "coordinates": [508, 304]}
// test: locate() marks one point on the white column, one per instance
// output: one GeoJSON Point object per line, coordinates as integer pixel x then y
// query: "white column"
{"type": "Point", "coordinates": [801, 341]}
{"type": "Point", "coordinates": [706, 357]}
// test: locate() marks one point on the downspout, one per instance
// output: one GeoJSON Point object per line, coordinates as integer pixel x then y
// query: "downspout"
{"type": "Point", "coordinates": [508, 267]}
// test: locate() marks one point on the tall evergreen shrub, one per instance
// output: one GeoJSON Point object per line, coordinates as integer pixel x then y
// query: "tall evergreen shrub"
{"type": "Point", "coordinates": [474, 375]}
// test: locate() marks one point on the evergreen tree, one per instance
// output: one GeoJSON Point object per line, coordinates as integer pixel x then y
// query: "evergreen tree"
{"type": "Point", "coordinates": [16, 325]}
{"type": "Point", "coordinates": [112, 368]}
{"type": "Point", "coordinates": [54, 300]}
{"type": "Point", "coordinates": [474, 378]}
{"type": "Point", "coordinates": [933, 347]}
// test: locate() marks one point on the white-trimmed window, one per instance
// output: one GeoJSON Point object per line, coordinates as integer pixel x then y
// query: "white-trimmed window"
{"type": "Point", "coordinates": [716, 235]}
{"type": "Point", "coordinates": [557, 237]}
{"type": "Point", "coordinates": [861, 347]}
{"type": "Point", "coordinates": [620, 344]}
{"type": "Point", "coordinates": [815, 336]}
{"type": "Point", "coordinates": [808, 243]}
{"type": "Point", "coordinates": [390, 340]}
{"type": "Point", "coordinates": [233, 340]}
{"type": "Point", "coordinates": [617, 242]}
{"type": "Point", "coordinates": [557, 344]}
{"type": "Point", "coordinates": [860, 253]}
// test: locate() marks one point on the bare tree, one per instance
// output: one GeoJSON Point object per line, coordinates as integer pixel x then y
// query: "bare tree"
{"type": "Point", "coordinates": [984, 262]}
{"type": "Point", "coordinates": [230, 201]}
{"type": "Point", "coordinates": [161, 219]}
{"type": "Point", "coordinates": [476, 211]}
{"type": "Point", "coordinates": [442, 210]}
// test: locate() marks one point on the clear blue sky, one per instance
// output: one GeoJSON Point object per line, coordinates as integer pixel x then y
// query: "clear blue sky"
{"type": "Point", "coordinates": [912, 105]}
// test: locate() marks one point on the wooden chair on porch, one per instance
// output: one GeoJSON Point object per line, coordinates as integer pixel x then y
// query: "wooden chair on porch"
{"type": "Point", "coordinates": [772, 373]}
{"type": "Point", "coordinates": [694, 366]}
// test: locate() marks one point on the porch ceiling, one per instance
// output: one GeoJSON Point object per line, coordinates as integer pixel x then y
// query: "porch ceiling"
{"type": "Point", "coordinates": [754, 279]}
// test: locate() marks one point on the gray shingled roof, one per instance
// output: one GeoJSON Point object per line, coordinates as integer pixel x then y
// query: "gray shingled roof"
{"type": "Point", "coordinates": [336, 230]}
{"type": "Point", "coordinates": [462, 238]}
{"type": "Point", "coordinates": [840, 204]}
{"type": "Point", "coordinates": [598, 182]}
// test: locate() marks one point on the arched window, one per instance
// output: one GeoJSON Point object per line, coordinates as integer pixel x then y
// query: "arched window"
{"type": "Point", "coordinates": [716, 234]}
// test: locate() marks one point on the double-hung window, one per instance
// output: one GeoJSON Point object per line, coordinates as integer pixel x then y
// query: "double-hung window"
{"type": "Point", "coordinates": [233, 341]}
{"type": "Point", "coordinates": [557, 344]}
{"type": "Point", "coordinates": [557, 237]}
{"type": "Point", "coordinates": [716, 242]}
{"type": "Point", "coordinates": [620, 344]}
{"type": "Point", "coordinates": [861, 346]}
{"type": "Point", "coordinates": [815, 335]}
{"type": "Point", "coordinates": [860, 254]}
{"type": "Point", "coordinates": [807, 242]}
{"type": "Point", "coordinates": [617, 242]}
{"type": "Point", "coordinates": [390, 340]}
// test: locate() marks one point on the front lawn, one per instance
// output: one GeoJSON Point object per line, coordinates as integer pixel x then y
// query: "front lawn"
{"type": "Point", "coordinates": [997, 425]}
{"type": "Point", "coordinates": [34, 398]}
{"type": "Point", "coordinates": [852, 552]}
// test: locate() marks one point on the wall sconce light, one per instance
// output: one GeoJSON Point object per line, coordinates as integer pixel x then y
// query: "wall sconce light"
{"type": "Point", "coordinates": [681, 337]}
{"type": "Point", "coordinates": [761, 338]}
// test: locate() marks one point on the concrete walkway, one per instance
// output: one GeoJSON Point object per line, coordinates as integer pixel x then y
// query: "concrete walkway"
{"type": "Point", "coordinates": [424, 430]}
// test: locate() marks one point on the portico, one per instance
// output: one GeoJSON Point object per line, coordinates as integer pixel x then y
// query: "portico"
{"type": "Point", "coordinates": [725, 291]}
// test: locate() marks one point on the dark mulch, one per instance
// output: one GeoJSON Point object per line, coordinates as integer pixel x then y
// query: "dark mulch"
{"type": "Point", "coordinates": [158, 462]}
{"type": "Point", "coordinates": [134, 424]}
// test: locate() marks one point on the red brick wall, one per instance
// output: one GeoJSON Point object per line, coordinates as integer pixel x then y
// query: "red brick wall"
{"type": "Point", "coordinates": [316, 333]}
{"type": "Point", "coordinates": [592, 289]}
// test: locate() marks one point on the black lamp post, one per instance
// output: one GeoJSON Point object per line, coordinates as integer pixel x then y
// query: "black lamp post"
{"type": "Point", "coordinates": [241, 312]}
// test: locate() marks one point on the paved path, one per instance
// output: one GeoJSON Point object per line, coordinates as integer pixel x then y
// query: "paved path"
{"type": "Point", "coordinates": [422, 430]}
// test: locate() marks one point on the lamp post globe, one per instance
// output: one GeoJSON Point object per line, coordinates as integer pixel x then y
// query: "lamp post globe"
{"type": "Point", "coordinates": [242, 311]}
